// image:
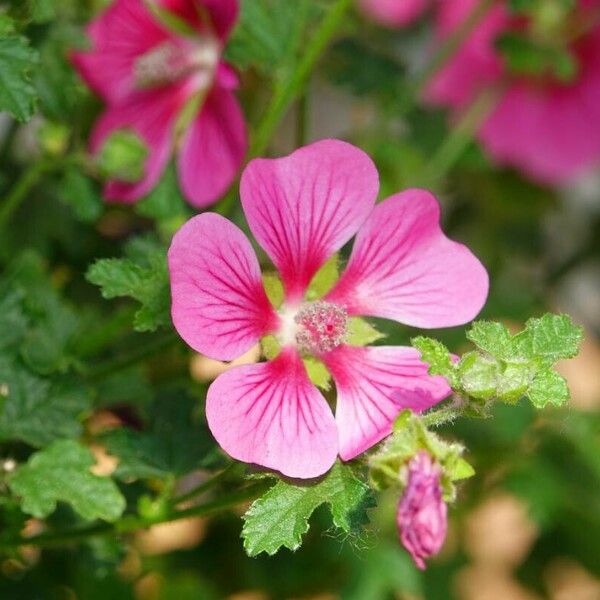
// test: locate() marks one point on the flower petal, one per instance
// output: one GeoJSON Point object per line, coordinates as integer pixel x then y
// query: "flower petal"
{"type": "Point", "coordinates": [222, 13]}
{"type": "Point", "coordinates": [219, 305]}
{"type": "Point", "coordinates": [272, 415]}
{"type": "Point", "coordinates": [373, 385]}
{"type": "Point", "coordinates": [152, 115]}
{"type": "Point", "coordinates": [120, 35]}
{"type": "Point", "coordinates": [404, 268]}
{"type": "Point", "coordinates": [212, 149]}
{"type": "Point", "coordinates": [304, 207]}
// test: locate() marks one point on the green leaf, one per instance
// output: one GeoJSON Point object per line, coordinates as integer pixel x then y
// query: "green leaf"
{"type": "Point", "coordinates": [174, 442]}
{"type": "Point", "coordinates": [514, 381]}
{"type": "Point", "coordinates": [77, 191]}
{"type": "Point", "coordinates": [165, 201]}
{"type": "Point", "coordinates": [553, 337]}
{"type": "Point", "coordinates": [61, 472]}
{"type": "Point", "coordinates": [148, 283]}
{"type": "Point", "coordinates": [548, 388]}
{"type": "Point", "coordinates": [362, 333]}
{"type": "Point", "coordinates": [280, 517]}
{"type": "Point", "coordinates": [13, 322]}
{"type": "Point", "coordinates": [17, 59]}
{"type": "Point", "coordinates": [39, 411]}
{"type": "Point", "coordinates": [266, 34]}
{"type": "Point", "coordinates": [41, 10]}
{"type": "Point", "coordinates": [493, 338]}
{"type": "Point", "coordinates": [437, 356]}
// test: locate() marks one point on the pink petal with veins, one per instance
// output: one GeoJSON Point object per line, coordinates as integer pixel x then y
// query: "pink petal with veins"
{"type": "Point", "coordinates": [403, 267]}
{"type": "Point", "coordinates": [212, 149]}
{"type": "Point", "coordinates": [119, 36]}
{"type": "Point", "coordinates": [272, 415]}
{"type": "Point", "coordinates": [304, 207]}
{"type": "Point", "coordinates": [219, 305]}
{"type": "Point", "coordinates": [373, 385]}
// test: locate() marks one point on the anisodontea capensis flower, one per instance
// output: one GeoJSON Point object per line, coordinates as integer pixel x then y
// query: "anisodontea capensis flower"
{"type": "Point", "coordinates": [170, 88]}
{"type": "Point", "coordinates": [545, 125]}
{"type": "Point", "coordinates": [302, 209]}
{"type": "Point", "coordinates": [422, 513]}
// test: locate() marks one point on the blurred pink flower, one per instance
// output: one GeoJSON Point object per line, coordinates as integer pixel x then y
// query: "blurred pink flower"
{"type": "Point", "coordinates": [422, 513]}
{"type": "Point", "coordinates": [547, 128]}
{"type": "Point", "coordinates": [148, 75]}
{"type": "Point", "coordinates": [302, 209]}
{"type": "Point", "coordinates": [394, 13]}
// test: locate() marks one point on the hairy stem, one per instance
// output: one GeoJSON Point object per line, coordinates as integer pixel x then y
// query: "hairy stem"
{"type": "Point", "coordinates": [130, 524]}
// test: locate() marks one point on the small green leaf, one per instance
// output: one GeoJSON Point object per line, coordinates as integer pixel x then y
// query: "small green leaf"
{"type": "Point", "coordinates": [80, 194]}
{"type": "Point", "coordinates": [362, 333]}
{"type": "Point", "coordinates": [61, 472]}
{"type": "Point", "coordinates": [280, 517]}
{"type": "Point", "coordinates": [148, 283]}
{"type": "Point", "coordinates": [493, 338]}
{"type": "Point", "coordinates": [514, 381]}
{"type": "Point", "coordinates": [554, 337]}
{"type": "Point", "coordinates": [437, 356]}
{"type": "Point", "coordinates": [38, 410]}
{"type": "Point", "coordinates": [548, 388]}
{"type": "Point", "coordinates": [17, 59]}
{"type": "Point", "coordinates": [317, 372]}
{"type": "Point", "coordinates": [461, 469]}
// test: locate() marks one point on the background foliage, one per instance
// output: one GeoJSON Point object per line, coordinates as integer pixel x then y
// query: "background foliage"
{"type": "Point", "coordinates": [90, 368]}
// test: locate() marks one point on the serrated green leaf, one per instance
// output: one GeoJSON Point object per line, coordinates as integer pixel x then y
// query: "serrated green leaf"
{"type": "Point", "coordinates": [362, 333]}
{"type": "Point", "coordinates": [491, 337]}
{"type": "Point", "coordinates": [38, 410]}
{"type": "Point", "coordinates": [437, 356]}
{"type": "Point", "coordinates": [280, 517]}
{"type": "Point", "coordinates": [554, 337]}
{"type": "Point", "coordinates": [317, 372]}
{"type": "Point", "coordinates": [17, 59]}
{"type": "Point", "coordinates": [548, 388]}
{"type": "Point", "coordinates": [266, 34]}
{"type": "Point", "coordinates": [174, 443]}
{"type": "Point", "coordinates": [61, 472]}
{"type": "Point", "coordinates": [147, 283]}
{"type": "Point", "coordinates": [323, 281]}
{"type": "Point", "coordinates": [80, 194]}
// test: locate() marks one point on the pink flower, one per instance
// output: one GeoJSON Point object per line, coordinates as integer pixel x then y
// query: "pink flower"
{"type": "Point", "coordinates": [302, 209]}
{"type": "Point", "coordinates": [547, 128]}
{"type": "Point", "coordinates": [148, 75]}
{"type": "Point", "coordinates": [422, 513]}
{"type": "Point", "coordinates": [394, 13]}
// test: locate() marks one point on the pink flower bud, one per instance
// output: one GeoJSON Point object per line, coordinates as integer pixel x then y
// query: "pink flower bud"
{"type": "Point", "coordinates": [422, 513]}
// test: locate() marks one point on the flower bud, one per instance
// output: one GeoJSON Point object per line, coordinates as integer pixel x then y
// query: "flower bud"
{"type": "Point", "coordinates": [422, 513]}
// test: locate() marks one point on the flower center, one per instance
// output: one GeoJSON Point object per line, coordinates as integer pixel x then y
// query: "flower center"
{"type": "Point", "coordinates": [170, 62]}
{"type": "Point", "coordinates": [320, 326]}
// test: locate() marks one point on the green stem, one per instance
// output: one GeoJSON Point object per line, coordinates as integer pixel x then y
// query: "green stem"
{"type": "Point", "coordinates": [15, 197]}
{"type": "Point", "coordinates": [302, 116]}
{"type": "Point", "coordinates": [147, 350]}
{"type": "Point", "coordinates": [460, 137]}
{"type": "Point", "coordinates": [209, 483]}
{"type": "Point", "coordinates": [451, 45]}
{"type": "Point", "coordinates": [289, 87]}
{"type": "Point", "coordinates": [135, 523]}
